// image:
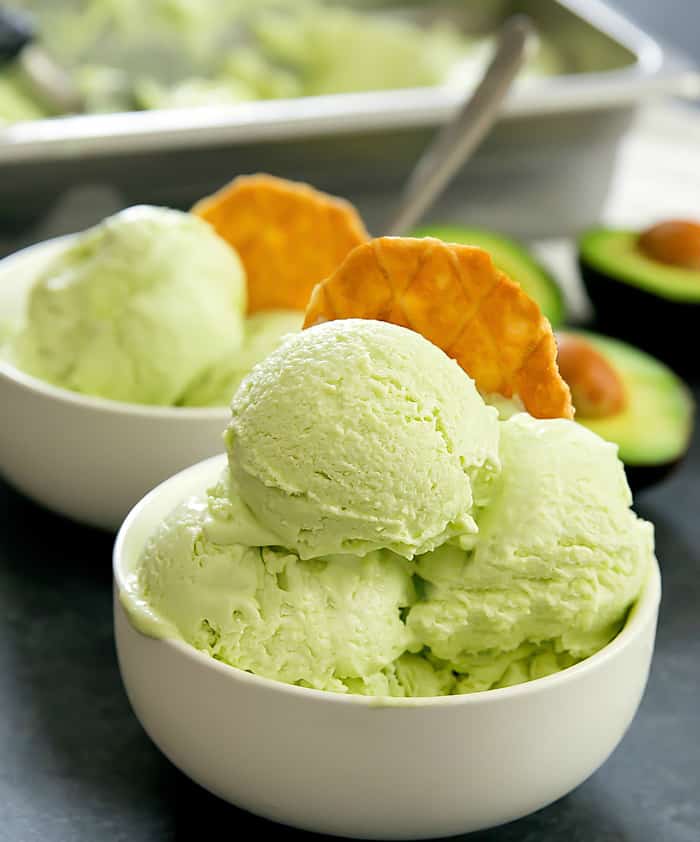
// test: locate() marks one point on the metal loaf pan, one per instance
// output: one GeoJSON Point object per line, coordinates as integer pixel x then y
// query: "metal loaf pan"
{"type": "Point", "coordinates": [544, 170]}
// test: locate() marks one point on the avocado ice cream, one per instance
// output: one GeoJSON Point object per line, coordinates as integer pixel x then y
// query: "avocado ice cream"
{"type": "Point", "coordinates": [379, 531]}
{"type": "Point", "coordinates": [559, 557]}
{"type": "Point", "coordinates": [126, 54]}
{"type": "Point", "coordinates": [361, 435]}
{"type": "Point", "coordinates": [262, 333]}
{"type": "Point", "coordinates": [135, 309]}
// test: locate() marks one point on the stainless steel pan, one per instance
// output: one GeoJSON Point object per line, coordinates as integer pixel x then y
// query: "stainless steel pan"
{"type": "Point", "coordinates": [544, 169]}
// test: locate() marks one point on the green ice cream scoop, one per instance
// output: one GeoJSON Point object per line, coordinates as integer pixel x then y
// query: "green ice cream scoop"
{"type": "Point", "coordinates": [332, 623]}
{"type": "Point", "coordinates": [135, 309]}
{"type": "Point", "coordinates": [358, 435]}
{"type": "Point", "coordinates": [263, 332]}
{"type": "Point", "coordinates": [379, 531]}
{"type": "Point", "coordinates": [560, 559]}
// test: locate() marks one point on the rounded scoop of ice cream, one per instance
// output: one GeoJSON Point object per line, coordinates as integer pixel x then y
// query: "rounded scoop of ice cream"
{"type": "Point", "coordinates": [135, 308]}
{"type": "Point", "coordinates": [560, 559]}
{"type": "Point", "coordinates": [332, 623]}
{"type": "Point", "coordinates": [263, 332]}
{"type": "Point", "coordinates": [357, 435]}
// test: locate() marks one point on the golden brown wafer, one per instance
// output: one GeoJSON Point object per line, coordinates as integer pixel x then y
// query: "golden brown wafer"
{"type": "Point", "coordinates": [456, 298]}
{"type": "Point", "coordinates": [289, 236]}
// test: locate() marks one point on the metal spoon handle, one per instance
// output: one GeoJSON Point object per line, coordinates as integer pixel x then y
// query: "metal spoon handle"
{"type": "Point", "coordinates": [461, 136]}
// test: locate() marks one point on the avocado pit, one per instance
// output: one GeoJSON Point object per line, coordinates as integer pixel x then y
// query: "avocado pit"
{"type": "Point", "coordinates": [653, 429]}
{"type": "Point", "coordinates": [675, 243]}
{"type": "Point", "coordinates": [597, 390]}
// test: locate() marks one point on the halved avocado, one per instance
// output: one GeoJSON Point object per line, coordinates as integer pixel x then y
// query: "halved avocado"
{"type": "Point", "coordinates": [645, 300]}
{"type": "Point", "coordinates": [510, 257]}
{"type": "Point", "coordinates": [653, 423]}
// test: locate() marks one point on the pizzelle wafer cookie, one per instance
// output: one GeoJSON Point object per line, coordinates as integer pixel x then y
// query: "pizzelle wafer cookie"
{"type": "Point", "coordinates": [455, 297]}
{"type": "Point", "coordinates": [288, 235]}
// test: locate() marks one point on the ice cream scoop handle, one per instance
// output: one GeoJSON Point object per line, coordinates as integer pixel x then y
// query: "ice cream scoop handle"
{"type": "Point", "coordinates": [458, 139]}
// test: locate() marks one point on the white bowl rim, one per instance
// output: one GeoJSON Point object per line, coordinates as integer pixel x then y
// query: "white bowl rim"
{"type": "Point", "coordinates": [638, 618]}
{"type": "Point", "coordinates": [92, 402]}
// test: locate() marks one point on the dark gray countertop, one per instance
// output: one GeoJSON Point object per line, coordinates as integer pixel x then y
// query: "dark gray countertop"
{"type": "Point", "coordinates": [75, 764]}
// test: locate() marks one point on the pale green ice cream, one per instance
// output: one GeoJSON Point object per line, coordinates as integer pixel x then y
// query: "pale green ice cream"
{"type": "Point", "coordinates": [16, 101]}
{"type": "Point", "coordinates": [358, 435]}
{"type": "Point", "coordinates": [542, 574]}
{"type": "Point", "coordinates": [319, 622]}
{"type": "Point", "coordinates": [135, 309]}
{"type": "Point", "coordinates": [126, 54]}
{"type": "Point", "coordinates": [337, 622]}
{"type": "Point", "coordinates": [559, 559]}
{"type": "Point", "coordinates": [262, 333]}
{"type": "Point", "coordinates": [338, 50]}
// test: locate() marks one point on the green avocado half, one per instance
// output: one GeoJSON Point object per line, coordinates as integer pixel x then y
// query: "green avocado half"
{"type": "Point", "coordinates": [653, 431]}
{"type": "Point", "coordinates": [510, 257]}
{"type": "Point", "coordinates": [646, 302]}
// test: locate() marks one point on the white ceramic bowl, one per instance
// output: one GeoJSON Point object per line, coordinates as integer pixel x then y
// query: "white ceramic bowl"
{"type": "Point", "coordinates": [87, 458]}
{"type": "Point", "coordinates": [368, 767]}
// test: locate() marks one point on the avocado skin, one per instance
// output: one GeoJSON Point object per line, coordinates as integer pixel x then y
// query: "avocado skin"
{"type": "Point", "coordinates": [657, 325]}
{"type": "Point", "coordinates": [641, 477]}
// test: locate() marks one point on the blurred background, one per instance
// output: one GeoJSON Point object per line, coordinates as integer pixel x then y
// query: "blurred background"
{"type": "Point", "coordinates": [345, 98]}
{"type": "Point", "coordinates": [676, 22]}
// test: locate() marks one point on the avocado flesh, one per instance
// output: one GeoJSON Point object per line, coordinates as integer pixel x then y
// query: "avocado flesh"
{"type": "Point", "coordinates": [655, 427]}
{"type": "Point", "coordinates": [512, 258]}
{"type": "Point", "coordinates": [616, 255]}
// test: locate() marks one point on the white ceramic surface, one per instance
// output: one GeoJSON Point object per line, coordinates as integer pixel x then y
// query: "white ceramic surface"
{"type": "Point", "coordinates": [364, 767]}
{"type": "Point", "coordinates": [87, 458]}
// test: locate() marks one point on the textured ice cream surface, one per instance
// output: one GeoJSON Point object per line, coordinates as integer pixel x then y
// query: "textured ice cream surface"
{"type": "Point", "coordinates": [560, 559]}
{"type": "Point", "coordinates": [135, 308]}
{"type": "Point", "coordinates": [357, 435]}
{"type": "Point", "coordinates": [354, 446]}
{"type": "Point", "coordinates": [263, 332]}
{"type": "Point", "coordinates": [329, 622]}
{"type": "Point", "coordinates": [450, 621]}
